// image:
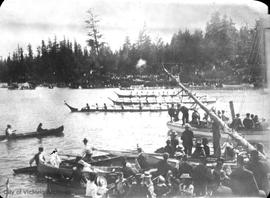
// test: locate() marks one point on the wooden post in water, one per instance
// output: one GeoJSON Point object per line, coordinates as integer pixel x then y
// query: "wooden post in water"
{"type": "Point", "coordinates": [225, 128]}
{"type": "Point", "coordinates": [232, 109]}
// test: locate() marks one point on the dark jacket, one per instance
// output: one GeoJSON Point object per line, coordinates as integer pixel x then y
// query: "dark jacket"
{"type": "Point", "coordinates": [187, 138]}
{"type": "Point", "coordinates": [243, 182]}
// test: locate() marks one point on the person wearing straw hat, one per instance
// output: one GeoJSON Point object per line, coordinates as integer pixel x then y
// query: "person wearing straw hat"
{"type": "Point", "coordinates": [148, 184]}
{"type": "Point", "coordinates": [187, 139]}
{"type": "Point", "coordinates": [186, 187]}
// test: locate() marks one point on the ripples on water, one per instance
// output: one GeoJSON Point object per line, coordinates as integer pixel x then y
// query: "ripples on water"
{"type": "Point", "coordinates": [25, 109]}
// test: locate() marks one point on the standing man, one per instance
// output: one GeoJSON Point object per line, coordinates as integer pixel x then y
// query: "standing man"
{"type": "Point", "coordinates": [38, 158]}
{"type": "Point", "coordinates": [187, 139]}
{"type": "Point", "coordinates": [216, 138]}
{"type": "Point", "coordinates": [171, 111]}
{"type": "Point", "coordinates": [185, 114]}
{"type": "Point", "coordinates": [237, 122]}
{"type": "Point", "coordinates": [174, 142]}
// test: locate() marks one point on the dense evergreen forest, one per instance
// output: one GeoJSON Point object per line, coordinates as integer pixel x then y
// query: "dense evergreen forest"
{"type": "Point", "coordinates": [222, 52]}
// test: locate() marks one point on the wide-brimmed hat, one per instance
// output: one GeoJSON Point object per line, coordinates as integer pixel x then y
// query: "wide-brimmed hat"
{"type": "Point", "coordinates": [146, 174]}
{"type": "Point", "coordinates": [173, 133]}
{"type": "Point", "coordinates": [187, 125]}
{"type": "Point", "coordinates": [185, 176]}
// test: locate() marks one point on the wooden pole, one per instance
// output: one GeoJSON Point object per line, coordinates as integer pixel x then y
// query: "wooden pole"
{"type": "Point", "coordinates": [232, 109]}
{"type": "Point", "coordinates": [233, 134]}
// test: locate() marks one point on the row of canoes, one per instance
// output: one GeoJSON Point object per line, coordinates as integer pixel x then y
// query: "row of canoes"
{"type": "Point", "coordinates": [46, 132]}
{"type": "Point", "coordinates": [178, 100]}
{"type": "Point", "coordinates": [112, 160]}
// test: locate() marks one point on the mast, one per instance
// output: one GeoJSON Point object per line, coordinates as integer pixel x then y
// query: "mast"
{"type": "Point", "coordinates": [224, 127]}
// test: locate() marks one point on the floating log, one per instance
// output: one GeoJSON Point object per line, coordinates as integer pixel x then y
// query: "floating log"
{"type": "Point", "coordinates": [224, 127]}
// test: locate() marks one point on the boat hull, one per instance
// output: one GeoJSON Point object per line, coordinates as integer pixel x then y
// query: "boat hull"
{"type": "Point", "coordinates": [50, 132]}
{"type": "Point", "coordinates": [250, 135]}
{"type": "Point", "coordinates": [116, 110]}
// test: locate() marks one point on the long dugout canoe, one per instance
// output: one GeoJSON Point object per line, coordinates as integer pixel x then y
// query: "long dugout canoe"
{"type": "Point", "coordinates": [47, 132]}
{"type": "Point", "coordinates": [117, 109]}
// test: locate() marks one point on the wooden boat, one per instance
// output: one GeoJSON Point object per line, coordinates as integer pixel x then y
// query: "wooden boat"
{"type": "Point", "coordinates": [67, 171]}
{"type": "Point", "coordinates": [118, 109]}
{"type": "Point", "coordinates": [47, 132]}
{"type": "Point", "coordinates": [152, 159]}
{"type": "Point", "coordinates": [148, 94]}
{"type": "Point", "coordinates": [237, 86]}
{"type": "Point", "coordinates": [100, 160]}
{"type": "Point", "coordinates": [250, 135]}
{"type": "Point", "coordinates": [167, 102]}
{"type": "Point", "coordinates": [63, 186]}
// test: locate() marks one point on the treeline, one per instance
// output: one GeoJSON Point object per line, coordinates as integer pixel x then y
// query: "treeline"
{"type": "Point", "coordinates": [221, 53]}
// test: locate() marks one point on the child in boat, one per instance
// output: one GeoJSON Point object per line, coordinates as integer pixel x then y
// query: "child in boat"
{"type": "Point", "coordinates": [55, 159]}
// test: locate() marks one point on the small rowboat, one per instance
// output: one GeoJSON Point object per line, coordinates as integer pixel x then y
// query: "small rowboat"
{"type": "Point", "coordinates": [100, 160]}
{"type": "Point", "coordinates": [261, 135]}
{"type": "Point", "coordinates": [49, 170]}
{"type": "Point", "coordinates": [117, 110]}
{"type": "Point", "coordinates": [47, 132]}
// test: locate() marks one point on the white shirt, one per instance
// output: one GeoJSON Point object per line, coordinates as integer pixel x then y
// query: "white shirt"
{"type": "Point", "coordinates": [55, 160]}
{"type": "Point", "coordinates": [91, 189]}
{"type": "Point", "coordinates": [86, 150]}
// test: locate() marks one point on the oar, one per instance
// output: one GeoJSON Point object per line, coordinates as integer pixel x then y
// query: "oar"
{"type": "Point", "coordinates": [68, 155]}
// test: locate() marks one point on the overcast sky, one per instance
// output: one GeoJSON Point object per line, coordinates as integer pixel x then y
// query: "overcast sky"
{"type": "Point", "coordinates": [30, 21]}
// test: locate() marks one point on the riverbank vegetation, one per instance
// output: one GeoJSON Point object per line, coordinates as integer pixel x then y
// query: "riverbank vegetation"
{"type": "Point", "coordinates": [220, 53]}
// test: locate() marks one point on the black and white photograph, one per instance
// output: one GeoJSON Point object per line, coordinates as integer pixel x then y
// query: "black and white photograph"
{"type": "Point", "coordinates": [134, 99]}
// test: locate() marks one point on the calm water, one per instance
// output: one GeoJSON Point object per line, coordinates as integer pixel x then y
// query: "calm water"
{"type": "Point", "coordinates": [25, 109]}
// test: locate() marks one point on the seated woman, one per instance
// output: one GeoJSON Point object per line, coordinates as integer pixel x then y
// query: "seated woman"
{"type": "Point", "coordinates": [39, 128]}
